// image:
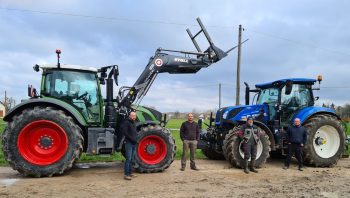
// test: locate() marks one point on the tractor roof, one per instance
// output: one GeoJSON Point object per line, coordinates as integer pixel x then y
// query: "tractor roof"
{"type": "Point", "coordinates": [73, 67]}
{"type": "Point", "coordinates": [277, 83]}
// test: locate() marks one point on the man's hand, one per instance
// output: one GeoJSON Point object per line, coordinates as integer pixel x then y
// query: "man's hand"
{"type": "Point", "coordinates": [302, 145]}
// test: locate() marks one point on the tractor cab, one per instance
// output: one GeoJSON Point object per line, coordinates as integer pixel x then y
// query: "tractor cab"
{"type": "Point", "coordinates": [75, 85]}
{"type": "Point", "coordinates": [285, 97]}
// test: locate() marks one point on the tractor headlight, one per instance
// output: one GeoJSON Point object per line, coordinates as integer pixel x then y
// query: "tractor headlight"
{"type": "Point", "coordinates": [224, 115]}
{"type": "Point", "coordinates": [231, 113]}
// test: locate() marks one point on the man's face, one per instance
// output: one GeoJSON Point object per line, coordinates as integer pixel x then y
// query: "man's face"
{"type": "Point", "coordinates": [297, 122]}
{"type": "Point", "coordinates": [190, 117]}
{"type": "Point", "coordinates": [132, 116]}
{"type": "Point", "coordinates": [250, 122]}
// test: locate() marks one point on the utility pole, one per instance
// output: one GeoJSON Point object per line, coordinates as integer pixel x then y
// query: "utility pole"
{"type": "Point", "coordinates": [238, 79]}
{"type": "Point", "coordinates": [219, 95]}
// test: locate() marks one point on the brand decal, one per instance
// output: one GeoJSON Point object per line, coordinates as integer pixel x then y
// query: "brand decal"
{"type": "Point", "coordinates": [158, 62]}
{"type": "Point", "coordinates": [182, 60]}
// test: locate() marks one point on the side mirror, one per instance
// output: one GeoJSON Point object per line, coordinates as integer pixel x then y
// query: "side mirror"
{"type": "Point", "coordinates": [32, 93]}
{"type": "Point", "coordinates": [289, 87]}
{"type": "Point", "coordinates": [36, 68]}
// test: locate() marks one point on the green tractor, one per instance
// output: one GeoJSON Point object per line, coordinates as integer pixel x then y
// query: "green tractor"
{"type": "Point", "coordinates": [47, 133]}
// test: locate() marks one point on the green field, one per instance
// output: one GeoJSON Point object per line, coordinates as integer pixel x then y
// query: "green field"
{"type": "Point", "coordinates": [172, 124]}
{"type": "Point", "coordinates": [176, 124]}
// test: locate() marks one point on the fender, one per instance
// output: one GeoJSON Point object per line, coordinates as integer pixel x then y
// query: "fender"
{"type": "Point", "coordinates": [268, 133]}
{"type": "Point", "coordinates": [145, 123]}
{"type": "Point", "coordinates": [47, 102]}
{"type": "Point", "coordinates": [306, 113]}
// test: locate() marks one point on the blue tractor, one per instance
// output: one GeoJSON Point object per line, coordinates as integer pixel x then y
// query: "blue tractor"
{"type": "Point", "coordinates": [276, 104]}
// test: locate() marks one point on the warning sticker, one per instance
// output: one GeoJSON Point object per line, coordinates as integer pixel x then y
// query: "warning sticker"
{"type": "Point", "coordinates": [158, 62]}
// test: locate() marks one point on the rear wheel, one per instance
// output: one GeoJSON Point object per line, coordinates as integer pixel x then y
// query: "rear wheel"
{"type": "Point", "coordinates": [326, 140]}
{"type": "Point", "coordinates": [155, 150]}
{"type": "Point", "coordinates": [234, 152]}
{"type": "Point", "coordinates": [42, 141]}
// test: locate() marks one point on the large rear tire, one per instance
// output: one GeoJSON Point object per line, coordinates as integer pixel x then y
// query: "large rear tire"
{"type": "Point", "coordinates": [42, 141]}
{"type": "Point", "coordinates": [155, 149]}
{"type": "Point", "coordinates": [212, 154]}
{"type": "Point", "coordinates": [234, 153]}
{"type": "Point", "coordinates": [326, 140]}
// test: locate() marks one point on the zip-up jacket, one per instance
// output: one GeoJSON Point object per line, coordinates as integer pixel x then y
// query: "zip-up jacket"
{"type": "Point", "coordinates": [296, 134]}
{"type": "Point", "coordinates": [128, 129]}
{"type": "Point", "coordinates": [189, 131]}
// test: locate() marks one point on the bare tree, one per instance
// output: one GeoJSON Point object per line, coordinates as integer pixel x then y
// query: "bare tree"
{"type": "Point", "coordinates": [8, 102]}
{"type": "Point", "coordinates": [177, 114]}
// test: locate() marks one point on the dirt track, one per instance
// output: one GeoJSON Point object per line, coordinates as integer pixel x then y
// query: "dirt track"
{"type": "Point", "coordinates": [215, 179]}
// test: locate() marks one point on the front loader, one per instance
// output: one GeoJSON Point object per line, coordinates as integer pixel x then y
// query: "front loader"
{"type": "Point", "coordinates": [47, 133]}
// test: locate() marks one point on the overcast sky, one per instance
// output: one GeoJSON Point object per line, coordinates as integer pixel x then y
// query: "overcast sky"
{"type": "Point", "coordinates": [286, 39]}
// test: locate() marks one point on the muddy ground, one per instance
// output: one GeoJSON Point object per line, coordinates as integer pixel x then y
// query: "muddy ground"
{"type": "Point", "coordinates": [215, 179]}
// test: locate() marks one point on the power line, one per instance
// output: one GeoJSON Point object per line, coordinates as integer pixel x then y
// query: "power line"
{"type": "Point", "coordinates": [103, 17]}
{"type": "Point", "coordinates": [187, 87]}
{"type": "Point", "coordinates": [335, 87]}
{"type": "Point", "coordinates": [174, 23]}
{"type": "Point", "coordinates": [310, 45]}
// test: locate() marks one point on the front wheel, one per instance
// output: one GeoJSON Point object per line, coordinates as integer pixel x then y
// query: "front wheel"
{"type": "Point", "coordinates": [234, 152]}
{"type": "Point", "coordinates": [155, 150]}
{"type": "Point", "coordinates": [326, 140]}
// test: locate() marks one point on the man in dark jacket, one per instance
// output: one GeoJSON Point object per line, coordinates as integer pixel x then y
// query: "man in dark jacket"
{"type": "Point", "coordinates": [251, 136]}
{"type": "Point", "coordinates": [189, 134]}
{"type": "Point", "coordinates": [296, 137]}
{"type": "Point", "coordinates": [128, 129]}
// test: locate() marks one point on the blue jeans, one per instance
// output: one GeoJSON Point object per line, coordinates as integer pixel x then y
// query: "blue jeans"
{"type": "Point", "coordinates": [129, 155]}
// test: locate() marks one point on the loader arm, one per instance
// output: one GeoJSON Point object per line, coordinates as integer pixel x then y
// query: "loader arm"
{"type": "Point", "coordinates": [172, 62]}
{"type": "Point", "coordinates": [162, 63]}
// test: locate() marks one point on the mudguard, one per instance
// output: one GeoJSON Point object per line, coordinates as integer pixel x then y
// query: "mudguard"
{"type": "Point", "coordinates": [307, 112]}
{"type": "Point", "coordinates": [47, 102]}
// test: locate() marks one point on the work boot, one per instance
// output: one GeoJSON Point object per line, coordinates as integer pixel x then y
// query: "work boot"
{"type": "Point", "coordinates": [182, 168]}
{"type": "Point", "coordinates": [133, 175]}
{"type": "Point", "coordinates": [246, 170]}
{"type": "Point", "coordinates": [285, 167]}
{"type": "Point", "coordinates": [252, 165]}
{"type": "Point", "coordinates": [127, 177]}
{"type": "Point", "coordinates": [195, 168]}
{"type": "Point", "coordinates": [300, 168]}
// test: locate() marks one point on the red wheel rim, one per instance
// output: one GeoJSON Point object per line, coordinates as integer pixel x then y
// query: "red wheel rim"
{"type": "Point", "coordinates": [42, 142]}
{"type": "Point", "coordinates": [152, 149]}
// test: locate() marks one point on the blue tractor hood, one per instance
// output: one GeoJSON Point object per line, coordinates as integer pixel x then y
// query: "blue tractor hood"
{"type": "Point", "coordinates": [240, 113]}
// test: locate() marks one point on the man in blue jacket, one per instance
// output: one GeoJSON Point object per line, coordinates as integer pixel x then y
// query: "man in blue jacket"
{"type": "Point", "coordinates": [296, 137]}
{"type": "Point", "coordinates": [128, 128]}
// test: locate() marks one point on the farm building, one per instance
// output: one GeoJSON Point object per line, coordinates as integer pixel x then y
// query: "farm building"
{"type": "Point", "coordinates": [2, 110]}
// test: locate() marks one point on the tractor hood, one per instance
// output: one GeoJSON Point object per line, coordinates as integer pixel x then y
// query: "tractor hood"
{"type": "Point", "coordinates": [240, 113]}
